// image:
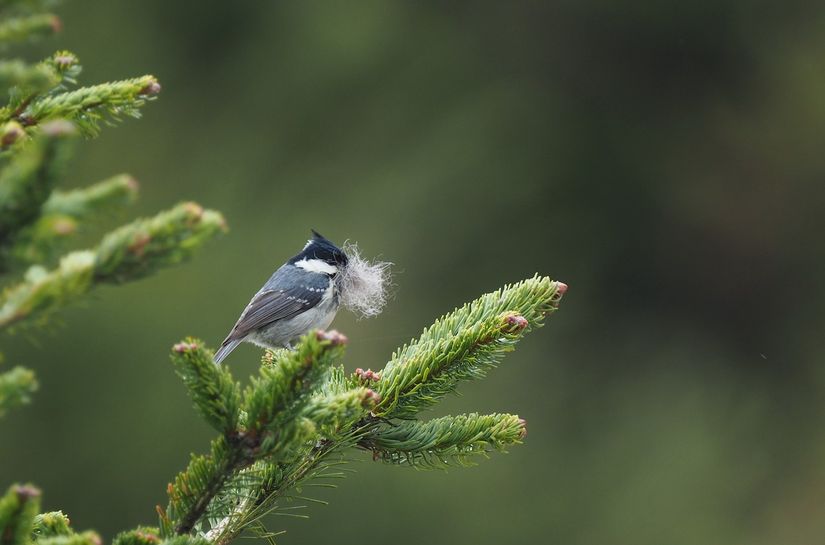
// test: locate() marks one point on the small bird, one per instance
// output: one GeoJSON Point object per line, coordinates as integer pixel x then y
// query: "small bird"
{"type": "Point", "coordinates": [305, 293]}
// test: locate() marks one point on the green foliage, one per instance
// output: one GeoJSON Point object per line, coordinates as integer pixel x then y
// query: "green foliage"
{"type": "Point", "coordinates": [16, 387]}
{"type": "Point", "coordinates": [280, 393]}
{"type": "Point", "coordinates": [64, 214]}
{"type": "Point", "coordinates": [463, 345]}
{"type": "Point", "coordinates": [138, 249]}
{"type": "Point", "coordinates": [129, 253]}
{"type": "Point", "coordinates": [443, 440]}
{"type": "Point", "coordinates": [51, 524]}
{"type": "Point", "coordinates": [302, 408]}
{"type": "Point", "coordinates": [217, 397]}
{"type": "Point", "coordinates": [27, 181]}
{"type": "Point", "coordinates": [17, 29]}
{"type": "Point", "coordinates": [38, 124]}
{"type": "Point", "coordinates": [80, 204]}
{"type": "Point", "coordinates": [85, 538]}
{"type": "Point", "coordinates": [18, 509]}
{"type": "Point", "coordinates": [88, 107]}
{"type": "Point", "coordinates": [139, 536]}
{"type": "Point", "coordinates": [280, 417]}
{"type": "Point", "coordinates": [300, 413]}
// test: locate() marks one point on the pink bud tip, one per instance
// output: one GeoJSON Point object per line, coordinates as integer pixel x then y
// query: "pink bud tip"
{"type": "Point", "coordinates": [26, 492]}
{"type": "Point", "coordinates": [11, 135]}
{"type": "Point", "coordinates": [371, 398]}
{"type": "Point", "coordinates": [518, 321]}
{"type": "Point", "coordinates": [561, 288]}
{"type": "Point", "coordinates": [333, 336]}
{"type": "Point", "coordinates": [64, 227]}
{"type": "Point", "coordinates": [180, 348]}
{"type": "Point", "coordinates": [56, 24]}
{"type": "Point", "coordinates": [523, 423]}
{"type": "Point", "coordinates": [193, 210]}
{"type": "Point", "coordinates": [151, 89]}
{"type": "Point", "coordinates": [132, 184]}
{"type": "Point", "coordinates": [65, 61]}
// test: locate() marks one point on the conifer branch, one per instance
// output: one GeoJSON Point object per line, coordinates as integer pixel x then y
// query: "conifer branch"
{"type": "Point", "coordinates": [141, 535]}
{"type": "Point", "coordinates": [129, 253]}
{"type": "Point", "coordinates": [62, 215]}
{"type": "Point", "coordinates": [151, 536]}
{"type": "Point", "coordinates": [216, 395]}
{"type": "Point", "coordinates": [463, 345]}
{"type": "Point", "coordinates": [297, 413]}
{"type": "Point", "coordinates": [273, 427]}
{"type": "Point", "coordinates": [36, 78]}
{"type": "Point", "coordinates": [51, 524]}
{"type": "Point", "coordinates": [27, 181]}
{"type": "Point", "coordinates": [451, 438]}
{"type": "Point", "coordinates": [18, 509]}
{"type": "Point", "coordinates": [16, 387]}
{"type": "Point", "coordinates": [26, 82]}
{"type": "Point", "coordinates": [29, 27]}
{"type": "Point", "coordinates": [79, 204]}
{"type": "Point", "coordinates": [85, 538]}
{"type": "Point", "coordinates": [88, 107]}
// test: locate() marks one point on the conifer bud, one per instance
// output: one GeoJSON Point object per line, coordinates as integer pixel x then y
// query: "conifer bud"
{"type": "Point", "coordinates": [334, 337]}
{"type": "Point", "coordinates": [12, 131]}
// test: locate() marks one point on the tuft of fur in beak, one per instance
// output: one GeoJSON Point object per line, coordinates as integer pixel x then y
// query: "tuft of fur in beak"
{"type": "Point", "coordinates": [363, 285]}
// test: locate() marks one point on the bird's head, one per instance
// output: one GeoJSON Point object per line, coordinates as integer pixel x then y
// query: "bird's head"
{"type": "Point", "coordinates": [321, 256]}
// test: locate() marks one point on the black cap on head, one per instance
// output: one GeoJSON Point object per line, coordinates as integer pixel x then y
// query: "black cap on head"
{"type": "Point", "coordinates": [321, 248]}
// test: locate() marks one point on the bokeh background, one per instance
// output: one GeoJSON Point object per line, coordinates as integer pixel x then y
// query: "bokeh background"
{"type": "Point", "coordinates": [665, 159]}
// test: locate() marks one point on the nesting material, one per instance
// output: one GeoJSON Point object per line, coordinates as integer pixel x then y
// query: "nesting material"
{"type": "Point", "coordinates": [364, 285]}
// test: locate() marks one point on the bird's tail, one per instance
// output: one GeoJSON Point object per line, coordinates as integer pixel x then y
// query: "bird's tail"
{"type": "Point", "coordinates": [226, 347]}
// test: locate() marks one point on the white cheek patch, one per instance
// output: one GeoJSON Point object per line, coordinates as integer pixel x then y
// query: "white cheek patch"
{"type": "Point", "coordinates": [316, 266]}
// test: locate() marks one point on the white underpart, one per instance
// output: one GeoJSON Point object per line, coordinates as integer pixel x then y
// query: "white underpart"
{"type": "Point", "coordinates": [363, 285]}
{"type": "Point", "coordinates": [316, 266]}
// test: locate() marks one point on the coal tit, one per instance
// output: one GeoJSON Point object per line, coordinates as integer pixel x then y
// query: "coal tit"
{"type": "Point", "coordinates": [305, 293]}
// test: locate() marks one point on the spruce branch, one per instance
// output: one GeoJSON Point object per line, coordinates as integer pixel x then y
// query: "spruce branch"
{"type": "Point", "coordinates": [16, 75]}
{"type": "Point", "coordinates": [85, 538]}
{"type": "Point", "coordinates": [129, 253]}
{"type": "Point", "coordinates": [16, 387]}
{"type": "Point", "coordinates": [438, 442]}
{"type": "Point", "coordinates": [214, 392]}
{"type": "Point", "coordinates": [274, 425]}
{"type": "Point", "coordinates": [18, 509]}
{"type": "Point", "coordinates": [151, 536]}
{"type": "Point", "coordinates": [63, 213]}
{"type": "Point", "coordinates": [139, 248]}
{"type": "Point", "coordinates": [88, 107]}
{"type": "Point", "coordinates": [17, 29]}
{"type": "Point", "coordinates": [463, 345]}
{"type": "Point", "coordinates": [51, 524]}
{"type": "Point", "coordinates": [141, 535]}
{"type": "Point", "coordinates": [296, 414]}
{"type": "Point", "coordinates": [27, 181]}
{"type": "Point", "coordinates": [26, 82]}
{"type": "Point", "coordinates": [26, 6]}
{"type": "Point", "coordinates": [115, 191]}
{"type": "Point", "coordinates": [282, 390]}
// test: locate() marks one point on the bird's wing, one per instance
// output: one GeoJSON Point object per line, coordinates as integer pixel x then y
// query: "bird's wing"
{"type": "Point", "coordinates": [272, 304]}
{"type": "Point", "coordinates": [266, 307]}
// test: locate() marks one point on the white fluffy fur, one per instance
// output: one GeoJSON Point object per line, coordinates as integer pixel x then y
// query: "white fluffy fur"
{"type": "Point", "coordinates": [363, 286]}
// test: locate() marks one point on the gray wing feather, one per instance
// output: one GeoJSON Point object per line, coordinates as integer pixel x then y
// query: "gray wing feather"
{"type": "Point", "coordinates": [273, 303]}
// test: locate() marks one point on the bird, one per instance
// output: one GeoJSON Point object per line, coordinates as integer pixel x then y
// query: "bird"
{"type": "Point", "coordinates": [302, 295]}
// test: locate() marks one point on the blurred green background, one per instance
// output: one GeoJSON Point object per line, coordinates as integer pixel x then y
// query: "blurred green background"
{"type": "Point", "coordinates": [663, 158]}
